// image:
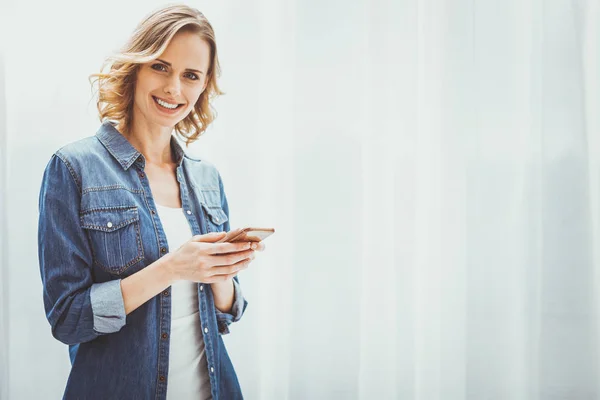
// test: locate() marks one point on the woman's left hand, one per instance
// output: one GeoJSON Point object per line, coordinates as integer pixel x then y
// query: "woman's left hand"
{"type": "Point", "coordinates": [258, 246]}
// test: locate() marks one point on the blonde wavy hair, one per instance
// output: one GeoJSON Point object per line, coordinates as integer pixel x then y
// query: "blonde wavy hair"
{"type": "Point", "coordinates": [151, 37]}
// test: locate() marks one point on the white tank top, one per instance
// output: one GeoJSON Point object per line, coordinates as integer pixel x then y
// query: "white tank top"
{"type": "Point", "coordinates": [188, 369]}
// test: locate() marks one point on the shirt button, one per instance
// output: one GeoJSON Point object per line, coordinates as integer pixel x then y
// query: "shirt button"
{"type": "Point", "coordinates": [153, 212]}
{"type": "Point", "coordinates": [163, 250]}
{"type": "Point", "coordinates": [212, 369]}
{"type": "Point", "coordinates": [216, 219]}
{"type": "Point", "coordinates": [189, 212]}
{"type": "Point", "coordinates": [205, 330]}
{"type": "Point", "coordinates": [201, 287]}
{"type": "Point", "coordinates": [109, 224]}
{"type": "Point", "coordinates": [164, 335]}
{"type": "Point", "coordinates": [141, 174]}
{"type": "Point", "coordinates": [166, 293]}
{"type": "Point", "coordinates": [161, 378]}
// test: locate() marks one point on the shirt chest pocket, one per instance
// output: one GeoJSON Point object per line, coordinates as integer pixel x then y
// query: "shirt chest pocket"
{"type": "Point", "coordinates": [215, 217]}
{"type": "Point", "coordinates": [115, 237]}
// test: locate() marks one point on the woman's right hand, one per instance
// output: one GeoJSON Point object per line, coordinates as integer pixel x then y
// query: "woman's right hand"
{"type": "Point", "coordinates": [200, 259]}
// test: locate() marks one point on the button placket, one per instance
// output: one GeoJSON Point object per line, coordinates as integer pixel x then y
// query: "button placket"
{"type": "Point", "coordinates": [163, 336]}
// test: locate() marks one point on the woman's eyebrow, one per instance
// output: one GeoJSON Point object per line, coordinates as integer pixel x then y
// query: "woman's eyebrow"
{"type": "Point", "coordinates": [187, 69]}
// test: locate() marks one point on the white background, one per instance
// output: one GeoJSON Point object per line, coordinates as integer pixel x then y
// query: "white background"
{"type": "Point", "coordinates": [431, 168]}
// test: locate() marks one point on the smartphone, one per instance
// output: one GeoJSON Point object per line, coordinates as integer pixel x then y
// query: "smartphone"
{"type": "Point", "coordinates": [247, 235]}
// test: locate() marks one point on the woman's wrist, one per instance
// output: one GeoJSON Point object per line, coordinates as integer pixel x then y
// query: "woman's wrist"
{"type": "Point", "coordinates": [225, 283]}
{"type": "Point", "coordinates": [167, 263]}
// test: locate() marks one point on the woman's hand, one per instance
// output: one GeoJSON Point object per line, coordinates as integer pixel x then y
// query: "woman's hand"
{"type": "Point", "coordinates": [200, 259]}
{"type": "Point", "coordinates": [258, 246]}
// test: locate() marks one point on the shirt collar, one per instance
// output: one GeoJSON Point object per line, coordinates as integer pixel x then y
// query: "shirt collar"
{"type": "Point", "coordinates": [120, 148]}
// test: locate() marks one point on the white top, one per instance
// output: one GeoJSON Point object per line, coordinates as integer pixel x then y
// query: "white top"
{"type": "Point", "coordinates": [188, 368]}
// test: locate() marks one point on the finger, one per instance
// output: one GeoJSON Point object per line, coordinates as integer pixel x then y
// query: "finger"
{"type": "Point", "coordinates": [209, 237]}
{"type": "Point", "coordinates": [221, 278]}
{"type": "Point", "coordinates": [230, 269]}
{"type": "Point", "coordinates": [260, 246]}
{"type": "Point", "coordinates": [223, 248]}
{"type": "Point", "coordinates": [231, 258]}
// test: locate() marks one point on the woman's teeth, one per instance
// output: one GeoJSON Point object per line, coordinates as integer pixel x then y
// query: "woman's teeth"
{"type": "Point", "coordinates": [165, 104]}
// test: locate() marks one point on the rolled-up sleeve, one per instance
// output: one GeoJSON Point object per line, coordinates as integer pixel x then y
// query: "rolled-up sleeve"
{"type": "Point", "coordinates": [108, 306]}
{"type": "Point", "coordinates": [237, 309]}
{"type": "Point", "coordinates": [239, 302]}
{"type": "Point", "coordinates": [78, 309]}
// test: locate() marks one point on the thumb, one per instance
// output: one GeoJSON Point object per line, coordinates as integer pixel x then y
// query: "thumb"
{"type": "Point", "coordinates": [209, 237]}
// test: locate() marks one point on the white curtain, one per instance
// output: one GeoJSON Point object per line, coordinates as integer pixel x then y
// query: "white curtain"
{"type": "Point", "coordinates": [431, 168]}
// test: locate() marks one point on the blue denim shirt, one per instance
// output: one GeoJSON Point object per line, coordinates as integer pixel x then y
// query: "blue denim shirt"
{"type": "Point", "coordinates": [97, 225]}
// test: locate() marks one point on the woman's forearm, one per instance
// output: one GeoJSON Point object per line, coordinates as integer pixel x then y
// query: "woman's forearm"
{"type": "Point", "coordinates": [223, 295]}
{"type": "Point", "coordinates": [156, 277]}
{"type": "Point", "coordinates": [146, 283]}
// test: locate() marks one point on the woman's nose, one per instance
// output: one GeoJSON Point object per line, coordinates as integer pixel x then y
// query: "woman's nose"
{"type": "Point", "coordinates": [173, 87]}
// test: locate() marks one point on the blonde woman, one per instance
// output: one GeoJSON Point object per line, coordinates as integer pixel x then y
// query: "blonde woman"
{"type": "Point", "coordinates": [134, 281]}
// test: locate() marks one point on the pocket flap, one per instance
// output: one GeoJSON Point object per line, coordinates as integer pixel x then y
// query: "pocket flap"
{"type": "Point", "coordinates": [216, 214]}
{"type": "Point", "coordinates": [108, 219]}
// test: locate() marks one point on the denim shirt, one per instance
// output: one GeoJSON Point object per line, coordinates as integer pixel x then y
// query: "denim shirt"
{"type": "Point", "coordinates": [97, 225]}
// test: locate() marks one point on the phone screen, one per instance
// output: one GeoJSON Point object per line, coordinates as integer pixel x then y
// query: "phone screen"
{"type": "Point", "coordinates": [253, 235]}
{"type": "Point", "coordinates": [247, 235]}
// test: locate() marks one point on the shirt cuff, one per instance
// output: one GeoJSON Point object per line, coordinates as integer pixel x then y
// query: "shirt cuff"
{"type": "Point", "coordinates": [237, 310]}
{"type": "Point", "coordinates": [108, 306]}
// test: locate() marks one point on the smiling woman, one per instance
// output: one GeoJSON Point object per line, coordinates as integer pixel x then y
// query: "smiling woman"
{"type": "Point", "coordinates": [187, 69]}
{"type": "Point", "coordinates": [155, 79]}
{"type": "Point", "coordinates": [134, 279]}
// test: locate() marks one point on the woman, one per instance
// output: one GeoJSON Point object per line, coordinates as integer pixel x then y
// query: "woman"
{"type": "Point", "coordinates": [134, 281]}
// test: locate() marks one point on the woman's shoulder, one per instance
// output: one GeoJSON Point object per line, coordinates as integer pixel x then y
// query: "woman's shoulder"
{"type": "Point", "coordinates": [81, 152]}
{"type": "Point", "coordinates": [74, 159]}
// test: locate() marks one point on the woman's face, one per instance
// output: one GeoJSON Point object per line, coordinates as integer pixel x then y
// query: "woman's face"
{"type": "Point", "coordinates": [176, 78]}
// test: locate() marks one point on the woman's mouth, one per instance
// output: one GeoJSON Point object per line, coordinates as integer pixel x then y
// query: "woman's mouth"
{"type": "Point", "coordinates": [166, 107]}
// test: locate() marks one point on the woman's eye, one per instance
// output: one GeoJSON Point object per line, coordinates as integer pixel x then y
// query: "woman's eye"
{"type": "Point", "coordinates": [161, 67]}
{"type": "Point", "coordinates": [157, 65]}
